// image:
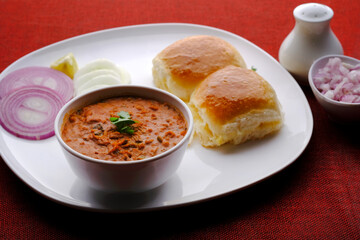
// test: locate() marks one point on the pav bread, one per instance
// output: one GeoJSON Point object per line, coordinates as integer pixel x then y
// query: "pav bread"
{"type": "Point", "coordinates": [234, 105]}
{"type": "Point", "coordinates": [180, 67]}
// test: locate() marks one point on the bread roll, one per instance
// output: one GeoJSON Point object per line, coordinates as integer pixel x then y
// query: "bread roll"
{"type": "Point", "coordinates": [180, 67]}
{"type": "Point", "coordinates": [234, 105]}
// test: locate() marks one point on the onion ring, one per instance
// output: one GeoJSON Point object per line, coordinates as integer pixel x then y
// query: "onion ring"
{"type": "Point", "coordinates": [41, 76]}
{"type": "Point", "coordinates": [29, 111]}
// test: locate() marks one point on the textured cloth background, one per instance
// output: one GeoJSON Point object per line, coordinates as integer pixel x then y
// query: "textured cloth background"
{"type": "Point", "coordinates": [317, 197]}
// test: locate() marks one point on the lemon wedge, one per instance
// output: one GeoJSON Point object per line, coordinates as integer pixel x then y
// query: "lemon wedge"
{"type": "Point", "coordinates": [66, 64]}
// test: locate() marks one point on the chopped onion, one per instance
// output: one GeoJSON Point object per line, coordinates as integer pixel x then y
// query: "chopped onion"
{"type": "Point", "coordinates": [42, 76]}
{"type": "Point", "coordinates": [29, 111]}
{"type": "Point", "coordinates": [339, 81]}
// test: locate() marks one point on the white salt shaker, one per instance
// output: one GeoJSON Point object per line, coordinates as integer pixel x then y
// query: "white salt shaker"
{"type": "Point", "coordinates": [310, 39]}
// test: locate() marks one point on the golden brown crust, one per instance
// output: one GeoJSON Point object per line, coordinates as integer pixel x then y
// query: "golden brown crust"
{"type": "Point", "coordinates": [232, 91]}
{"type": "Point", "coordinates": [191, 59]}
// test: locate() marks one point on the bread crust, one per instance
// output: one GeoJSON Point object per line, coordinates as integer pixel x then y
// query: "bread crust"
{"type": "Point", "coordinates": [234, 105]}
{"type": "Point", "coordinates": [229, 103]}
{"type": "Point", "coordinates": [232, 91]}
{"type": "Point", "coordinates": [180, 67]}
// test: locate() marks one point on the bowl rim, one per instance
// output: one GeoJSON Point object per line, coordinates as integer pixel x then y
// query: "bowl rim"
{"type": "Point", "coordinates": [84, 157]}
{"type": "Point", "coordinates": [316, 90]}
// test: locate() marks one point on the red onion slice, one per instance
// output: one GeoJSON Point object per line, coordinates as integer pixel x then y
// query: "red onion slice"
{"type": "Point", "coordinates": [42, 76]}
{"type": "Point", "coordinates": [29, 112]}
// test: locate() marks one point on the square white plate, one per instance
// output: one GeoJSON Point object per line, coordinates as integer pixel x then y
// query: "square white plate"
{"type": "Point", "coordinates": [204, 173]}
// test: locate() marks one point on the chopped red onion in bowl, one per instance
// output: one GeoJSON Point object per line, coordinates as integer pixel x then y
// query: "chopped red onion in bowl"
{"type": "Point", "coordinates": [339, 81]}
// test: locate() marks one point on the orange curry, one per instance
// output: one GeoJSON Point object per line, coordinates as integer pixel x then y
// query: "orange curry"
{"type": "Point", "coordinates": [158, 127]}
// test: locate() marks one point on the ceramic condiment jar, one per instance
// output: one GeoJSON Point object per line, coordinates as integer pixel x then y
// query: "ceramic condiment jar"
{"type": "Point", "coordinates": [310, 39]}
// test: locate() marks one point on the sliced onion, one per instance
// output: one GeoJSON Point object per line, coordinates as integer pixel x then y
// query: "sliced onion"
{"type": "Point", "coordinates": [98, 73]}
{"type": "Point", "coordinates": [80, 80]}
{"type": "Point", "coordinates": [106, 80]}
{"type": "Point", "coordinates": [98, 64]}
{"type": "Point", "coordinates": [98, 86]}
{"type": "Point", "coordinates": [29, 112]}
{"type": "Point", "coordinates": [42, 76]}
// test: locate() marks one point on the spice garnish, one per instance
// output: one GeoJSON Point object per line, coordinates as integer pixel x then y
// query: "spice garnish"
{"type": "Point", "coordinates": [123, 122]}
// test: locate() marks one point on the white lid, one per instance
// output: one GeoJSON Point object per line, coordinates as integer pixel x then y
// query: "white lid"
{"type": "Point", "coordinates": [313, 12]}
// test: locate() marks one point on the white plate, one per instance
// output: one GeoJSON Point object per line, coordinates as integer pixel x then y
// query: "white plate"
{"type": "Point", "coordinates": [204, 173]}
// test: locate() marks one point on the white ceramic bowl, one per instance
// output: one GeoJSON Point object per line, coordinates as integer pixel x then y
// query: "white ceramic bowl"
{"type": "Point", "coordinates": [338, 111]}
{"type": "Point", "coordinates": [132, 176]}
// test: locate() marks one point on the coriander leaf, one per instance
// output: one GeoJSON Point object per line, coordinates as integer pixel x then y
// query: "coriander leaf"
{"type": "Point", "coordinates": [124, 115]}
{"type": "Point", "coordinates": [127, 129]}
{"type": "Point", "coordinates": [123, 122]}
{"type": "Point", "coordinates": [113, 119]}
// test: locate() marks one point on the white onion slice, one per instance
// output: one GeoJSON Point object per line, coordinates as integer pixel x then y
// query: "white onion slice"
{"type": "Point", "coordinates": [94, 87]}
{"type": "Point", "coordinates": [107, 80]}
{"type": "Point", "coordinates": [82, 79]}
{"type": "Point", "coordinates": [41, 76]}
{"type": "Point", "coordinates": [99, 64]}
{"type": "Point", "coordinates": [98, 73]}
{"type": "Point", "coordinates": [29, 112]}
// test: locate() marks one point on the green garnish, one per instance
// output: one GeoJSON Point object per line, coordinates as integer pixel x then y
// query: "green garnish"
{"type": "Point", "coordinates": [123, 122]}
{"type": "Point", "coordinates": [253, 68]}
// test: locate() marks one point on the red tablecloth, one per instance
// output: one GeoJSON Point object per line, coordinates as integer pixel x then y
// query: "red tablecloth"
{"type": "Point", "coordinates": [317, 197]}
